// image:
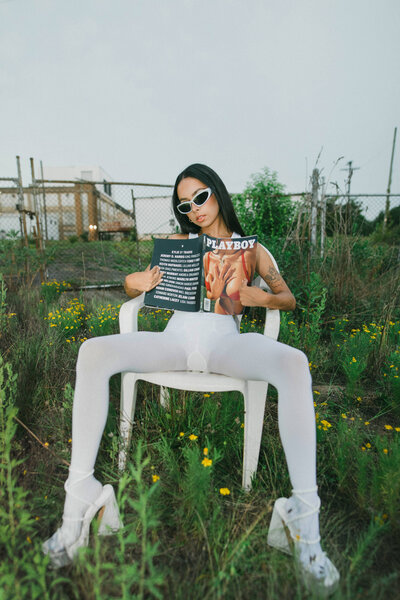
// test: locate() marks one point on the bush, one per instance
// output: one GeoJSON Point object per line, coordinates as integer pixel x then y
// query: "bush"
{"type": "Point", "coordinates": [263, 209]}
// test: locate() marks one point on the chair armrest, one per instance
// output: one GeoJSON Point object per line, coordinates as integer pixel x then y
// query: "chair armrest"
{"type": "Point", "coordinates": [272, 323]}
{"type": "Point", "coordinates": [128, 314]}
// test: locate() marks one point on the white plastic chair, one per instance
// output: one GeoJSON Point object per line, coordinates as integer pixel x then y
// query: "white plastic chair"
{"type": "Point", "coordinates": [254, 392]}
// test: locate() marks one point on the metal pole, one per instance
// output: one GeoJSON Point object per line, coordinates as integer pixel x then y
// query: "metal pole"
{"type": "Point", "coordinates": [387, 207]}
{"type": "Point", "coordinates": [44, 203]}
{"type": "Point", "coordinates": [20, 205]}
{"type": "Point", "coordinates": [323, 216]}
{"type": "Point", "coordinates": [136, 229]}
{"type": "Point", "coordinates": [314, 205]}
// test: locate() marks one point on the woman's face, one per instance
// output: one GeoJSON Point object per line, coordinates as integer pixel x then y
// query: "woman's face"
{"type": "Point", "coordinates": [205, 215]}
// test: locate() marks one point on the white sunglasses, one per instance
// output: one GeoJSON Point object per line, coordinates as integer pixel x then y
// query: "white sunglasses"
{"type": "Point", "coordinates": [199, 199]}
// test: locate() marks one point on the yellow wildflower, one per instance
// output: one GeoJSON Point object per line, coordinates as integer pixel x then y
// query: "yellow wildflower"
{"type": "Point", "coordinates": [224, 491]}
{"type": "Point", "coordinates": [205, 451]}
{"type": "Point", "coordinates": [388, 427]}
{"type": "Point", "coordinates": [206, 462]}
{"type": "Point", "coordinates": [193, 437]}
{"type": "Point", "coordinates": [155, 478]}
{"type": "Point", "coordinates": [385, 451]}
{"type": "Point", "coordinates": [181, 434]}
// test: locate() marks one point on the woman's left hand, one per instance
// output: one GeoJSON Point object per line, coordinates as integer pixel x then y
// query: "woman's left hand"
{"type": "Point", "coordinates": [252, 295]}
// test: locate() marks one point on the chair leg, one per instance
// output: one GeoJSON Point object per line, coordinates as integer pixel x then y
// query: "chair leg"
{"type": "Point", "coordinates": [128, 405]}
{"type": "Point", "coordinates": [254, 406]}
{"type": "Point", "coordinates": [164, 397]}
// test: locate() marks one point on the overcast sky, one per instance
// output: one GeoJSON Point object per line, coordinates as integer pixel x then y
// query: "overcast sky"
{"type": "Point", "coordinates": [145, 87]}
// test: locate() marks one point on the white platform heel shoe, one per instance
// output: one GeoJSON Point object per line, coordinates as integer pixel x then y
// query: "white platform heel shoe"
{"type": "Point", "coordinates": [319, 574]}
{"type": "Point", "coordinates": [61, 551]}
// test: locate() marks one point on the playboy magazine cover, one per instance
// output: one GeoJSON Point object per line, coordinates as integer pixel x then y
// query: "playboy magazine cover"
{"type": "Point", "coordinates": [203, 274]}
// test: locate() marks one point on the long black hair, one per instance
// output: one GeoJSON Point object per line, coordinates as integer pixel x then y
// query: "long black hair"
{"type": "Point", "coordinates": [210, 178]}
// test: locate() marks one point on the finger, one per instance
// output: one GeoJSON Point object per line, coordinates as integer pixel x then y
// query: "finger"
{"type": "Point", "coordinates": [232, 272]}
{"type": "Point", "coordinates": [227, 267]}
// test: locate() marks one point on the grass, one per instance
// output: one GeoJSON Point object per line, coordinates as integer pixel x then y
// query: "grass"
{"type": "Point", "coordinates": [190, 530]}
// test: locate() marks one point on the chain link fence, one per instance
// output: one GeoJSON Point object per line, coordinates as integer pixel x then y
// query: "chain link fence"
{"type": "Point", "coordinates": [95, 232]}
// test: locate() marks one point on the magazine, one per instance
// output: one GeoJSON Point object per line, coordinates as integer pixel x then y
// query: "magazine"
{"type": "Point", "coordinates": [203, 274]}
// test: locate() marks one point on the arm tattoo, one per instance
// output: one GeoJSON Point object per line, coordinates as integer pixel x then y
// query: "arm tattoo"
{"type": "Point", "coordinates": [273, 276]}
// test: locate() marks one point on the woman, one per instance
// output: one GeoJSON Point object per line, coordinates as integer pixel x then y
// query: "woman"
{"type": "Point", "coordinates": [202, 205]}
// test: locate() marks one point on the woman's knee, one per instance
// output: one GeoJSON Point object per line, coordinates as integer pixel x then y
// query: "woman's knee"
{"type": "Point", "coordinates": [296, 363]}
{"type": "Point", "coordinates": [92, 353]}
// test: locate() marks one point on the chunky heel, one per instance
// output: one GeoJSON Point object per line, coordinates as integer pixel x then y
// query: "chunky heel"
{"type": "Point", "coordinates": [109, 517]}
{"type": "Point", "coordinates": [59, 548]}
{"type": "Point", "coordinates": [277, 535]}
{"type": "Point", "coordinates": [320, 576]}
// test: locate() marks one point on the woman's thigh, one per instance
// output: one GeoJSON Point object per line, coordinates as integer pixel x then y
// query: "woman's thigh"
{"type": "Point", "coordinates": [257, 357]}
{"type": "Point", "coordinates": [139, 352]}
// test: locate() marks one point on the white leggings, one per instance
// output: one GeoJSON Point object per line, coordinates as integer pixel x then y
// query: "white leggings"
{"type": "Point", "coordinates": [206, 342]}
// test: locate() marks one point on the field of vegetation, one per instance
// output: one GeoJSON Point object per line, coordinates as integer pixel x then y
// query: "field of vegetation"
{"type": "Point", "coordinates": [190, 530]}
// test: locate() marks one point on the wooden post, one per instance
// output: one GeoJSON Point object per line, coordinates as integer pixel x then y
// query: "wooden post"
{"type": "Point", "coordinates": [25, 228]}
{"type": "Point", "coordinates": [78, 210]}
{"type": "Point", "coordinates": [39, 239]}
{"type": "Point", "coordinates": [92, 212]}
{"type": "Point", "coordinates": [22, 215]}
{"type": "Point", "coordinates": [61, 221]}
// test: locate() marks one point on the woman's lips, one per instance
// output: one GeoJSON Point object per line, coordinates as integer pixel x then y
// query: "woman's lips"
{"type": "Point", "coordinates": [200, 218]}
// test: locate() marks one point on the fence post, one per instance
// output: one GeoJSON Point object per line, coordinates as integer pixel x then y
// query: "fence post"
{"type": "Point", "coordinates": [323, 216]}
{"type": "Point", "coordinates": [387, 206]}
{"type": "Point", "coordinates": [92, 212]}
{"type": "Point", "coordinates": [38, 232]}
{"type": "Point", "coordinates": [22, 215]}
{"type": "Point", "coordinates": [78, 210]}
{"type": "Point", "coordinates": [136, 229]}
{"type": "Point", "coordinates": [314, 205]}
{"type": "Point", "coordinates": [46, 233]}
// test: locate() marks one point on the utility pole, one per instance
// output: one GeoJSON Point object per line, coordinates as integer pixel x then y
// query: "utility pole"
{"type": "Point", "coordinates": [351, 170]}
{"type": "Point", "coordinates": [387, 207]}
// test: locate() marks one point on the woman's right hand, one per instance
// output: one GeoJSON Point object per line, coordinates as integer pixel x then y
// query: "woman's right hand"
{"type": "Point", "coordinates": [143, 281]}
